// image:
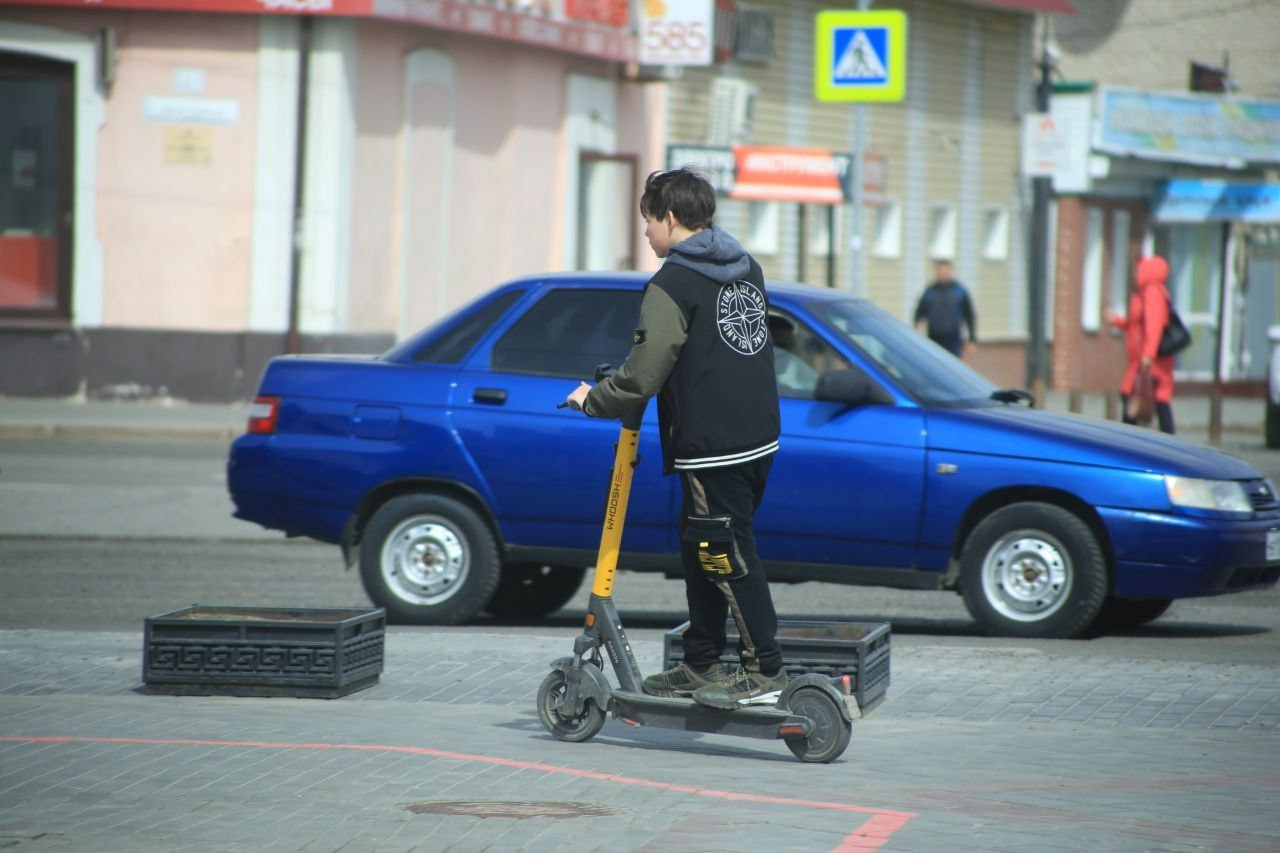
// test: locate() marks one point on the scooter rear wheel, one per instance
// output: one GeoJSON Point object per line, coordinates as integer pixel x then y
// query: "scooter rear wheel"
{"type": "Point", "coordinates": [831, 731]}
{"type": "Point", "coordinates": [573, 729]}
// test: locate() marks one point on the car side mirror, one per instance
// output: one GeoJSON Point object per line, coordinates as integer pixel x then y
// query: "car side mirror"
{"type": "Point", "coordinates": [851, 387]}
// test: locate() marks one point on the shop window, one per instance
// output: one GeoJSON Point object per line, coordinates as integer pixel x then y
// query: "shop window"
{"type": "Point", "coordinates": [888, 233]}
{"type": "Point", "coordinates": [762, 227]}
{"type": "Point", "coordinates": [1118, 287]}
{"type": "Point", "coordinates": [35, 186]}
{"type": "Point", "coordinates": [820, 216]}
{"type": "Point", "coordinates": [1091, 293]}
{"type": "Point", "coordinates": [995, 234]}
{"type": "Point", "coordinates": [942, 232]}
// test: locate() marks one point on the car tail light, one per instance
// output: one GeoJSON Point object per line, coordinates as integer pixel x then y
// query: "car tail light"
{"type": "Point", "coordinates": [263, 415]}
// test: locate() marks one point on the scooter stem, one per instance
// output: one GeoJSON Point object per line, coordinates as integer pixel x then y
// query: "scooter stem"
{"type": "Point", "coordinates": [615, 516]}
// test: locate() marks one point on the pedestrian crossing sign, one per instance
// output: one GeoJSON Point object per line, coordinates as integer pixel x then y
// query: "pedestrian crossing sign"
{"type": "Point", "coordinates": [860, 56]}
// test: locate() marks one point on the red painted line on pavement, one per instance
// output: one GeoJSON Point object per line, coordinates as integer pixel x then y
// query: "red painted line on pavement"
{"type": "Point", "coordinates": [874, 832]}
{"type": "Point", "coordinates": [871, 834]}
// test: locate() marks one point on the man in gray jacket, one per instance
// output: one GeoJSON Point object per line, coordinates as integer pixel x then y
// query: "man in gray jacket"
{"type": "Point", "coordinates": [703, 348]}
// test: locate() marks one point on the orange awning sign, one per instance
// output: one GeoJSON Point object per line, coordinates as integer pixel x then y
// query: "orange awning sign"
{"type": "Point", "coordinates": [788, 174]}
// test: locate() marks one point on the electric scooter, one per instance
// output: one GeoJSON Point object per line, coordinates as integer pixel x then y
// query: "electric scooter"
{"type": "Point", "coordinates": [812, 716]}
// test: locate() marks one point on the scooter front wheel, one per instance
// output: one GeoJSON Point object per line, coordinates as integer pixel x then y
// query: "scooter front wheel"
{"type": "Point", "coordinates": [831, 731]}
{"type": "Point", "coordinates": [573, 729]}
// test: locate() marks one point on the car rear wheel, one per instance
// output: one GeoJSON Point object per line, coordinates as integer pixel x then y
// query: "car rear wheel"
{"type": "Point", "coordinates": [1033, 570]}
{"type": "Point", "coordinates": [530, 590]}
{"type": "Point", "coordinates": [429, 560]}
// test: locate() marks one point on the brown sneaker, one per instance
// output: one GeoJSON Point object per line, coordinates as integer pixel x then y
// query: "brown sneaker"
{"type": "Point", "coordinates": [681, 680]}
{"type": "Point", "coordinates": [743, 688]}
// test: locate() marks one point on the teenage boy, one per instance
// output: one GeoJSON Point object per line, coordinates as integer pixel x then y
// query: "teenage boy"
{"type": "Point", "coordinates": [702, 347]}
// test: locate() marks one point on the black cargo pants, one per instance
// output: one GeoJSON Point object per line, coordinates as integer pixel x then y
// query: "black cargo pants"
{"type": "Point", "coordinates": [722, 572]}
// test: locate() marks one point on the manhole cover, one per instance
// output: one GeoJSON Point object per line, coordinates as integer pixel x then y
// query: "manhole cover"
{"type": "Point", "coordinates": [518, 811]}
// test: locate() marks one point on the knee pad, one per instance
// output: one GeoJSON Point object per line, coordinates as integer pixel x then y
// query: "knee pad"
{"type": "Point", "coordinates": [712, 537]}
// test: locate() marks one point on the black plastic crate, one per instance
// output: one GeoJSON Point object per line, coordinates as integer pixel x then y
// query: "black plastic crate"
{"type": "Point", "coordinates": [263, 651]}
{"type": "Point", "coordinates": [859, 650]}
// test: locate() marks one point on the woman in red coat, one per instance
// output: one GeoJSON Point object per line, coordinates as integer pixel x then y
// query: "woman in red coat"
{"type": "Point", "coordinates": [1148, 314]}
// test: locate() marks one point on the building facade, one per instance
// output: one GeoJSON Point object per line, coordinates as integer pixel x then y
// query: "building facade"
{"type": "Point", "coordinates": [197, 186]}
{"type": "Point", "coordinates": [941, 172]}
{"type": "Point", "coordinates": [1151, 166]}
{"type": "Point", "coordinates": [156, 237]}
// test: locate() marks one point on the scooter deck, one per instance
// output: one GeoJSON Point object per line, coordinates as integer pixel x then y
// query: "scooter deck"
{"type": "Point", "coordinates": [759, 721]}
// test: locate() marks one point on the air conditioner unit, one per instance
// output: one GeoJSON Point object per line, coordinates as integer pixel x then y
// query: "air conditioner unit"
{"type": "Point", "coordinates": [731, 112]}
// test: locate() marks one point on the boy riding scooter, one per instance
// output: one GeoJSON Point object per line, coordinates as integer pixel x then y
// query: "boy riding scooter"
{"type": "Point", "coordinates": [702, 347]}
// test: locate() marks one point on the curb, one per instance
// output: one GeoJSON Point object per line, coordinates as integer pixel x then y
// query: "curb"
{"type": "Point", "coordinates": [97, 431]}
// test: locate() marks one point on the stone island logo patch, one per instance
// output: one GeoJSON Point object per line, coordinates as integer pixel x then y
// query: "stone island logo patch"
{"type": "Point", "coordinates": [637, 337]}
{"type": "Point", "coordinates": [740, 316]}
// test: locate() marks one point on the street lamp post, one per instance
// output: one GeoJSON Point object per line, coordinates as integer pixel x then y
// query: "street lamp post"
{"type": "Point", "coordinates": [1038, 261]}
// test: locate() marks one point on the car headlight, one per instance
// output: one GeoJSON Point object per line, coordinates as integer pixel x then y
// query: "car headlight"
{"type": "Point", "coordinates": [1220, 495]}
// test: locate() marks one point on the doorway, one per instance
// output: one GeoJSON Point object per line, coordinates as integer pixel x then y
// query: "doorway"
{"type": "Point", "coordinates": [36, 99]}
{"type": "Point", "coordinates": [607, 211]}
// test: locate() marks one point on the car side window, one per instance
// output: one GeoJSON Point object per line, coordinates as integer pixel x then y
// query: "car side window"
{"type": "Point", "coordinates": [453, 346]}
{"type": "Point", "coordinates": [799, 356]}
{"type": "Point", "coordinates": [570, 331]}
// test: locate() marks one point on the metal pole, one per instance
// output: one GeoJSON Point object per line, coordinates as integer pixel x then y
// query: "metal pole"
{"type": "Point", "coordinates": [293, 338]}
{"type": "Point", "coordinates": [859, 144]}
{"type": "Point", "coordinates": [1037, 281]}
{"type": "Point", "coordinates": [831, 245]}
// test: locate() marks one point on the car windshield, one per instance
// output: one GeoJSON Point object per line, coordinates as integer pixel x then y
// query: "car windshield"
{"type": "Point", "coordinates": [920, 367]}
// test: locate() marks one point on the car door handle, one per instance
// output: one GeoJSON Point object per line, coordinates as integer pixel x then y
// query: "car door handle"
{"type": "Point", "coordinates": [493, 396]}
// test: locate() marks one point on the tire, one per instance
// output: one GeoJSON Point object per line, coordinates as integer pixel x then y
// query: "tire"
{"type": "Point", "coordinates": [1033, 570]}
{"type": "Point", "coordinates": [1273, 424]}
{"type": "Point", "coordinates": [831, 731]}
{"type": "Point", "coordinates": [530, 590]}
{"type": "Point", "coordinates": [572, 729]}
{"type": "Point", "coordinates": [1120, 613]}
{"type": "Point", "coordinates": [429, 560]}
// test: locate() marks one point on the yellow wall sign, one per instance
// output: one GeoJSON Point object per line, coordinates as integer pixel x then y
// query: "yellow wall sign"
{"type": "Point", "coordinates": [188, 146]}
{"type": "Point", "coordinates": [860, 56]}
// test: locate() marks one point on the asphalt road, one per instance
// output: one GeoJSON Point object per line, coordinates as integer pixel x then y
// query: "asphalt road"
{"type": "Point", "coordinates": [99, 535]}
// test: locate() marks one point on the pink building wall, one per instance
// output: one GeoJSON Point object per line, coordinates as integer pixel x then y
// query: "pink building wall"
{"type": "Point", "coordinates": [177, 236]}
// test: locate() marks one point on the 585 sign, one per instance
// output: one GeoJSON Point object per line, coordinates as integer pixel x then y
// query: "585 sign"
{"type": "Point", "coordinates": [676, 32]}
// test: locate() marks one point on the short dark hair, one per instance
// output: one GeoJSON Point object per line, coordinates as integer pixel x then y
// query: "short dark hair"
{"type": "Point", "coordinates": [683, 192]}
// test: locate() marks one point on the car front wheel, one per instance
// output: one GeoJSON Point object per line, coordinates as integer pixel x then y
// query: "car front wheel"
{"type": "Point", "coordinates": [429, 560]}
{"type": "Point", "coordinates": [1033, 570]}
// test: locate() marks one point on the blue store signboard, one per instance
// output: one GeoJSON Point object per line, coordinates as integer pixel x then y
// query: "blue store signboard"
{"type": "Point", "coordinates": [1186, 200]}
{"type": "Point", "coordinates": [1190, 128]}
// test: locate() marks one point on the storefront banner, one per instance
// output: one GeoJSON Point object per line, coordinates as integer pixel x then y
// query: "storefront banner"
{"type": "Point", "coordinates": [788, 174]}
{"type": "Point", "coordinates": [570, 34]}
{"type": "Point", "coordinates": [355, 8]}
{"type": "Point", "coordinates": [1209, 129]}
{"type": "Point", "coordinates": [1192, 201]}
{"type": "Point", "coordinates": [810, 175]}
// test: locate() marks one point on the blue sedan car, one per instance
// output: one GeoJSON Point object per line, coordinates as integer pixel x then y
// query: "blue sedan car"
{"type": "Point", "coordinates": [446, 473]}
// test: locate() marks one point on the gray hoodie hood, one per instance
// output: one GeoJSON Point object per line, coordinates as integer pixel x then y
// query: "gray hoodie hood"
{"type": "Point", "coordinates": [714, 253]}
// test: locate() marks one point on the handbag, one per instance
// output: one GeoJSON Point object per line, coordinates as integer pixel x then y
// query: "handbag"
{"type": "Point", "coordinates": [1142, 402]}
{"type": "Point", "coordinates": [1175, 337]}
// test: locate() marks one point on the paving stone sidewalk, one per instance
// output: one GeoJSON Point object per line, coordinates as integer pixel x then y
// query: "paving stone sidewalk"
{"type": "Point", "coordinates": [979, 685]}
{"type": "Point", "coordinates": [972, 750]}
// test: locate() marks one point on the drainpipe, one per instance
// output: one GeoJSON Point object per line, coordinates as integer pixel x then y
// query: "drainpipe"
{"type": "Point", "coordinates": [292, 338]}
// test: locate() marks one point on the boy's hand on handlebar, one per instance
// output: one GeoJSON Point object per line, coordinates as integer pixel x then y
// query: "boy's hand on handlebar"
{"type": "Point", "coordinates": [578, 397]}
